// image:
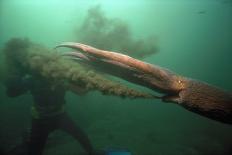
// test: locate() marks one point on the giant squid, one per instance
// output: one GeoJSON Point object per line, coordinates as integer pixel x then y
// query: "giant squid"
{"type": "Point", "coordinates": [194, 95]}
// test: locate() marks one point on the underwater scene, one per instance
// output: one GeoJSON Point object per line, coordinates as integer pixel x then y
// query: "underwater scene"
{"type": "Point", "coordinates": [125, 77]}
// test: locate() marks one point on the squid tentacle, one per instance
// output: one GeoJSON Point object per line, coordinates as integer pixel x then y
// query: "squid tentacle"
{"type": "Point", "coordinates": [196, 96]}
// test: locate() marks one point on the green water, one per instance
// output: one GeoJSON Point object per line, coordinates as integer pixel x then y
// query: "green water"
{"type": "Point", "coordinates": [193, 38]}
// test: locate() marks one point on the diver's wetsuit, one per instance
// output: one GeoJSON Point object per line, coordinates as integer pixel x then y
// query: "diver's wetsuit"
{"type": "Point", "coordinates": [47, 112]}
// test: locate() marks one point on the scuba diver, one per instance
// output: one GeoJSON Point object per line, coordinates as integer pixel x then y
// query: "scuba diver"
{"type": "Point", "coordinates": [48, 112]}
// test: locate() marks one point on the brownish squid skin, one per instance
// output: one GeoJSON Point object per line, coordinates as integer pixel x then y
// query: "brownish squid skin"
{"type": "Point", "coordinates": [196, 96]}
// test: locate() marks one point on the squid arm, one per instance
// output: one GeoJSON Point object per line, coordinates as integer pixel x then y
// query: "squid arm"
{"type": "Point", "coordinates": [196, 96]}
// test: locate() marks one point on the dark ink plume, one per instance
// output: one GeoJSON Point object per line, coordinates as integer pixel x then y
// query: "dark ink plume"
{"type": "Point", "coordinates": [113, 34]}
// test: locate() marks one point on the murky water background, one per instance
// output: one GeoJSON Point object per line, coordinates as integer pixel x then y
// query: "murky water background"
{"type": "Point", "coordinates": [194, 39]}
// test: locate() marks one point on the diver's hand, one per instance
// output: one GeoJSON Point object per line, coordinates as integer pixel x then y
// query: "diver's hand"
{"type": "Point", "coordinates": [79, 90]}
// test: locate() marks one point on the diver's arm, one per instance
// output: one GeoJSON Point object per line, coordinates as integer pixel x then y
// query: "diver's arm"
{"type": "Point", "coordinates": [77, 89]}
{"type": "Point", "coordinates": [16, 85]}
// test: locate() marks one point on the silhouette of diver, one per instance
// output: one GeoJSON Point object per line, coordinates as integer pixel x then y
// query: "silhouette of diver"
{"type": "Point", "coordinates": [48, 112]}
